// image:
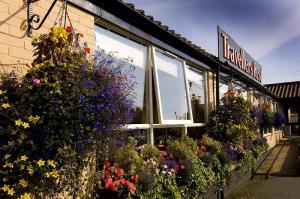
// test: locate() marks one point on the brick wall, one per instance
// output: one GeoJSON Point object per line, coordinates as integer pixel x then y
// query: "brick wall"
{"type": "Point", "coordinates": [15, 46]}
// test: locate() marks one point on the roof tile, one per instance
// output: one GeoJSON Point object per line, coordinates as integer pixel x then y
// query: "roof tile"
{"type": "Point", "coordinates": [286, 89]}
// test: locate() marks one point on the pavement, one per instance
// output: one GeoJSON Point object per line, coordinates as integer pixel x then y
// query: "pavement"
{"type": "Point", "coordinates": [278, 177]}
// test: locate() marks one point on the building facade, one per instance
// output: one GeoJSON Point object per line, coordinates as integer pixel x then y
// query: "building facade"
{"type": "Point", "coordinates": [178, 83]}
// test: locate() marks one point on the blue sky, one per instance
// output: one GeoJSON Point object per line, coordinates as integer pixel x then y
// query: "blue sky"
{"type": "Point", "coordinates": [269, 30]}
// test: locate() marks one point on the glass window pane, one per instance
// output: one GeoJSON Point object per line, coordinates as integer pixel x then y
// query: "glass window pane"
{"type": "Point", "coordinates": [223, 89]}
{"type": "Point", "coordinates": [197, 95]}
{"type": "Point", "coordinates": [123, 48]}
{"type": "Point", "coordinates": [171, 84]}
{"type": "Point", "coordinates": [163, 135]}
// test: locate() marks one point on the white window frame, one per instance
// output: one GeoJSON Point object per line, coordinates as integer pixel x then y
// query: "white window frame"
{"type": "Point", "coordinates": [157, 90]}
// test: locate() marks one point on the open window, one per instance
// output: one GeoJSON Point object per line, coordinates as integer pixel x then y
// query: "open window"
{"type": "Point", "coordinates": [171, 89]}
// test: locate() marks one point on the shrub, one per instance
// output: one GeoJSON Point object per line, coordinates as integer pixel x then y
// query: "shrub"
{"type": "Point", "coordinates": [232, 121]}
{"type": "Point", "coordinates": [192, 173]}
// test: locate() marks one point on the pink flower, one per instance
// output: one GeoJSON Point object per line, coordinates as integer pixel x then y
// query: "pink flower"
{"type": "Point", "coordinates": [36, 81]}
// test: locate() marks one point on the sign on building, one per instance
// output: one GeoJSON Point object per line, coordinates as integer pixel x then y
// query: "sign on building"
{"type": "Point", "coordinates": [230, 52]}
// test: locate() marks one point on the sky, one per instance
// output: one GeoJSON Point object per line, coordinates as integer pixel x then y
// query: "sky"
{"type": "Point", "coordinates": [269, 30]}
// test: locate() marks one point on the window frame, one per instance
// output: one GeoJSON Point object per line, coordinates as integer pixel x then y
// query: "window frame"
{"type": "Point", "coordinates": [157, 90]}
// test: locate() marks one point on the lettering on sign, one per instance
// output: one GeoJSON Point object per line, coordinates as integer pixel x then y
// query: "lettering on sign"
{"type": "Point", "coordinates": [231, 52]}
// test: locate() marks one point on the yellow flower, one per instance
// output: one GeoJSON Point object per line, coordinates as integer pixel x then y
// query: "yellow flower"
{"type": "Point", "coordinates": [34, 119]}
{"type": "Point", "coordinates": [11, 192]}
{"type": "Point", "coordinates": [25, 125]}
{"type": "Point", "coordinates": [18, 122]}
{"type": "Point", "coordinates": [48, 174]}
{"type": "Point", "coordinates": [7, 156]}
{"type": "Point", "coordinates": [25, 196]}
{"type": "Point", "coordinates": [37, 66]}
{"type": "Point", "coordinates": [23, 183]}
{"type": "Point", "coordinates": [41, 163]}
{"type": "Point", "coordinates": [51, 163]}
{"type": "Point", "coordinates": [31, 118]}
{"type": "Point", "coordinates": [8, 164]}
{"type": "Point", "coordinates": [34, 39]}
{"type": "Point", "coordinates": [22, 167]}
{"type": "Point", "coordinates": [4, 179]}
{"type": "Point", "coordinates": [5, 105]}
{"type": "Point", "coordinates": [24, 158]}
{"type": "Point", "coordinates": [30, 170]}
{"type": "Point", "coordinates": [2, 92]}
{"type": "Point", "coordinates": [10, 143]}
{"type": "Point", "coordinates": [54, 174]}
{"type": "Point", "coordinates": [5, 188]}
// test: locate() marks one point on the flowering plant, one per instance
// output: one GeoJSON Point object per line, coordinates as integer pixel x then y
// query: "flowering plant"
{"type": "Point", "coordinates": [66, 102]}
{"type": "Point", "coordinates": [116, 179]}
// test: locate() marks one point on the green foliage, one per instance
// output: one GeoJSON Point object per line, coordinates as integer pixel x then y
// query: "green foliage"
{"type": "Point", "coordinates": [213, 145]}
{"type": "Point", "coordinates": [200, 179]}
{"type": "Point", "coordinates": [183, 148]}
{"type": "Point", "coordinates": [128, 158]}
{"type": "Point", "coordinates": [164, 187]}
{"type": "Point", "coordinates": [150, 152]}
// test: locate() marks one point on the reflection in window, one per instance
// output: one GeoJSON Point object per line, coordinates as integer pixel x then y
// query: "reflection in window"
{"type": "Point", "coordinates": [196, 132]}
{"type": "Point", "coordinates": [163, 135]}
{"type": "Point", "coordinates": [123, 48]}
{"type": "Point", "coordinates": [171, 85]}
{"type": "Point", "coordinates": [222, 89]}
{"type": "Point", "coordinates": [197, 95]}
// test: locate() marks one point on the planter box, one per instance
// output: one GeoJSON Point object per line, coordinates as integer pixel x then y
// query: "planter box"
{"type": "Point", "coordinates": [238, 177]}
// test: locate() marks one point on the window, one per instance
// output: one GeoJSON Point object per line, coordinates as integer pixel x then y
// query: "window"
{"type": "Point", "coordinates": [223, 88]}
{"type": "Point", "coordinates": [121, 47]}
{"type": "Point", "coordinates": [171, 90]}
{"type": "Point", "coordinates": [197, 95]}
{"type": "Point", "coordinates": [170, 99]}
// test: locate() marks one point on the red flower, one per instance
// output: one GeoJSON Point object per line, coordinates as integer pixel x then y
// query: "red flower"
{"type": "Point", "coordinates": [130, 186]}
{"type": "Point", "coordinates": [135, 178]}
{"type": "Point", "coordinates": [108, 183]}
{"type": "Point", "coordinates": [113, 188]}
{"type": "Point", "coordinates": [68, 29]}
{"type": "Point", "coordinates": [116, 183]}
{"type": "Point", "coordinates": [122, 180]}
{"type": "Point", "coordinates": [119, 171]}
{"type": "Point", "coordinates": [87, 50]}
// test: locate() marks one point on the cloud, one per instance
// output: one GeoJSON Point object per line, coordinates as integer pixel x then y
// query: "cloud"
{"type": "Point", "coordinates": [274, 39]}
